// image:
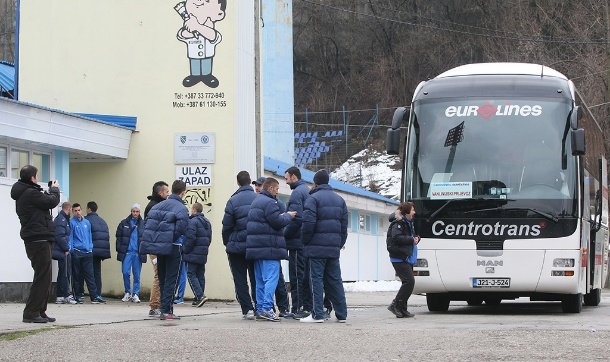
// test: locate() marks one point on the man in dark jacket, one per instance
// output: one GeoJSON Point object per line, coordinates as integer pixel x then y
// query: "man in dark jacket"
{"type": "Point", "coordinates": [101, 242]}
{"type": "Point", "coordinates": [38, 233]}
{"type": "Point", "coordinates": [61, 253]}
{"type": "Point", "coordinates": [299, 284]}
{"type": "Point", "coordinates": [160, 192]}
{"type": "Point", "coordinates": [265, 245]}
{"type": "Point", "coordinates": [164, 231]}
{"type": "Point", "coordinates": [324, 232]}
{"type": "Point", "coordinates": [234, 224]}
{"type": "Point", "coordinates": [195, 252]}
{"type": "Point", "coordinates": [128, 238]}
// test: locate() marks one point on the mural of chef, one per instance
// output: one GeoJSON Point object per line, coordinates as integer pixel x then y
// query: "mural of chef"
{"type": "Point", "coordinates": [201, 37]}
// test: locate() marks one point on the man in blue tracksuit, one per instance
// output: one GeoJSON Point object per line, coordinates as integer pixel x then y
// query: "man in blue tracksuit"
{"type": "Point", "coordinates": [324, 232]}
{"type": "Point", "coordinates": [128, 238]}
{"type": "Point", "coordinates": [265, 245]}
{"type": "Point", "coordinates": [163, 235]}
{"type": "Point", "coordinates": [195, 252]}
{"type": "Point", "coordinates": [81, 248]}
{"type": "Point", "coordinates": [299, 285]}
{"type": "Point", "coordinates": [234, 238]}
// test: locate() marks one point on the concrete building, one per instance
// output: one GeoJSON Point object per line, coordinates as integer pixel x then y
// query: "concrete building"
{"type": "Point", "coordinates": [138, 105]}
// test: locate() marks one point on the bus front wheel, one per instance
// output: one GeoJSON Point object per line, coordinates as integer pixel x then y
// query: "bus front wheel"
{"type": "Point", "coordinates": [437, 302]}
{"type": "Point", "coordinates": [593, 298]}
{"type": "Point", "coordinates": [572, 303]}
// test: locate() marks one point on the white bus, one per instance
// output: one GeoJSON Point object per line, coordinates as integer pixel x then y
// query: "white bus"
{"type": "Point", "coordinates": [509, 202]}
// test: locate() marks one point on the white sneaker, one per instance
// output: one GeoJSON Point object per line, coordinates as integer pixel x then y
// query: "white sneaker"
{"type": "Point", "coordinates": [249, 315]}
{"type": "Point", "coordinates": [69, 300]}
{"type": "Point", "coordinates": [135, 298]}
{"type": "Point", "coordinates": [310, 319]}
{"type": "Point", "coordinates": [60, 300]}
{"type": "Point", "coordinates": [126, 298]}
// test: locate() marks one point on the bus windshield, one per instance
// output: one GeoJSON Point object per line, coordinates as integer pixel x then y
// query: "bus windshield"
{"type": "Point", "coordinates": [513, 150]}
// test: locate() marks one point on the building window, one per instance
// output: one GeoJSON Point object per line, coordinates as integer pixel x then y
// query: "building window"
{"type": "Point", "coordinates": [18, 160]}
{"type": "Point", "coordinates": [365, 223]}
{"type": "Point", "coordinates": [3, 162]}
{"type": "Point", "coordinates": [43, 163]}
{"type": "Point", "coordinates": [380, 225]}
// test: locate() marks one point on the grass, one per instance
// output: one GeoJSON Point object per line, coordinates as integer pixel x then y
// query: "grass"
{"type": "Point", "coordinates": [16, 335]}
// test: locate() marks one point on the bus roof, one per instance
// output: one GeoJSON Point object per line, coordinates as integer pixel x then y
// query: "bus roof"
{"type": "Point", "coordinates": [502, 69]}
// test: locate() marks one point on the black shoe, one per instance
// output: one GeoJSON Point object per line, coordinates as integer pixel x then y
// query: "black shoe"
{"type": "Point", "coordinates": [209, 80]}
{"type": "Point", "coordinates": [394, 309]}
{"type": "Point", "coordinates": [202, 301]}
{"type": "Point", "coordinates": [38, 319]}
{"type": "Point", "coordinates": [407, 314]}
{"type": "Point", "coordinates": [49, 319]}
{"type": "Point", "coordinates": [191, 80]}
{"type": "Point", "coordinates": [301, 314]}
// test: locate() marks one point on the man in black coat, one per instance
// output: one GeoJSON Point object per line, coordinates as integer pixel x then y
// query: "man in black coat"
{"type": "Point", "coordinates": [38, 233]}
{"type": "Point", "coordinates": [101, 242]}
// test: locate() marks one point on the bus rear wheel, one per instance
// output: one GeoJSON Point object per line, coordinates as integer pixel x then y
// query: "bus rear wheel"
{"type": "Point", "coordinates": [593, 298]}
{"type": "Point", "coordinates": [572, 303]}
{"type": "Point", "coordinates": [474, 301]}
{"type": "Point", "coordinates": [437, 302]}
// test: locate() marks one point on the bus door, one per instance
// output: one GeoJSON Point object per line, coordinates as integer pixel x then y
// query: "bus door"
{"type": "Point", "coordinates": [598, 248]}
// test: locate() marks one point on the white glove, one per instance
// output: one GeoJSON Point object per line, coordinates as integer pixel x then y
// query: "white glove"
{"type": "Point", "coordinates": [154, 261]}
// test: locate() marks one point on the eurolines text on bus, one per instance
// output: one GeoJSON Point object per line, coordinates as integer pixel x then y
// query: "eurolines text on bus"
{"type": "Point", "coordinates": [440, 228]}
{"type": "Point", "coordinates": [488, 109]}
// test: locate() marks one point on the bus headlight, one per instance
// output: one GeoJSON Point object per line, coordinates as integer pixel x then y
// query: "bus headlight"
{"type": "Point", "coordinates": [421, 263]}
{"type": "Point", "coordinates": [563, 263]}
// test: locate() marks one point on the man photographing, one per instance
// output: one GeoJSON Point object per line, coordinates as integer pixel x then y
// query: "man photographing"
{"type": "Point", "coordinates": [38, 233]}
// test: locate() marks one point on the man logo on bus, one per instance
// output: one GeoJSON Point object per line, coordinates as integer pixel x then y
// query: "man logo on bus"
{"type": "Point", "coordinates": [488, 110]}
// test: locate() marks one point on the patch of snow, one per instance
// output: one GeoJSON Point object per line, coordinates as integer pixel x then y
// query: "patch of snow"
{"type": "Point", "coordinates": [370, 167]}
{"type": "Point", "coordinates": [372, 286]}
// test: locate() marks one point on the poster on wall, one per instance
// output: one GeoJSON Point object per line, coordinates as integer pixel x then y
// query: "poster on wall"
{"type": "Point", "coordinates": [194, 148]}
{"type": "Point", "coordinates": [194, 175]}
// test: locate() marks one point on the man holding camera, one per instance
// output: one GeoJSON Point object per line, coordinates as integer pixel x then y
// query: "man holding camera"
{"type": "Point", "coordinates": [38, 233]}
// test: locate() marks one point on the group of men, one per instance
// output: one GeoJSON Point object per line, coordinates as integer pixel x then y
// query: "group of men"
{"type": "Point", "coordinates": [259, 231]}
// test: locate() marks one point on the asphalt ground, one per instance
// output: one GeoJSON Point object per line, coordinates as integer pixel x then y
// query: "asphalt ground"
{"type": "Point", "coordinates": [513, 331]}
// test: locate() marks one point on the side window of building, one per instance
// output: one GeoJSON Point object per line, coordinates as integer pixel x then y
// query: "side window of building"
{"type": "Point", "coordinates": [3, 162]}
{"type": "Point", "coordinates": [12, 159]}
{"type": "Point", "coordinates": [364, 223]}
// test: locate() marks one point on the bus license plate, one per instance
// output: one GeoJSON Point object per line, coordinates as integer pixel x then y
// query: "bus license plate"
{"type": "Point", "coordinates": [491, 282]}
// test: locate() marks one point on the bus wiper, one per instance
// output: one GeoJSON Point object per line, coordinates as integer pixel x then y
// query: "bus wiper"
{"type": "Point", "coordinates": [438, 211]}
{"type": "Point", "coordinates": [549, 216]}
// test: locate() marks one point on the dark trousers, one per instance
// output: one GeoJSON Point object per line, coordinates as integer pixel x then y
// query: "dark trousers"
{"type": "Point", "coordinates": [82, 269]}
{"type": "Point", "coordinates": [299, 283]}
{"type": "Point", "coordinates": [168, 267]}
{"type": "Point", "coordinates": [405, 273]}
{"type": "Point", "coordinates": [325, 278]}
{"type": "Point", "coordinates": [196, 277]}
{"type": "Point", "coordinates": [97, 273]}
{"type": "Point", "coordinates": [64, 273]}
{"type": "Point", "coordinates": [239, 270]}
{"type": "Point", "coordinates": [39, 254]}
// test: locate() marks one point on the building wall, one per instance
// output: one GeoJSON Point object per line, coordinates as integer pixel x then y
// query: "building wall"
{"type": "Point", "coordinates": [124, 58]}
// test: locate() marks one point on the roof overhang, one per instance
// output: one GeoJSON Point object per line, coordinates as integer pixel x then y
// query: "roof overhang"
{"type": "Point", "coordinates": [86, 139]}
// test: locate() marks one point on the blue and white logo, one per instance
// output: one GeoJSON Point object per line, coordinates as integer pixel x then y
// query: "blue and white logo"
{"type": "Point", "coordinates": [205, 139]}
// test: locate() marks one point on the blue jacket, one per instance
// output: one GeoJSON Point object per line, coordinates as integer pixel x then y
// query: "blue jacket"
{"type": "Point", "coordinates": [292, 232]}
{"type": "Point", "coordinates": [165, 225]}
{"type": "Point", "coordinates": [236, 218]}
{"type": "Point", "coordinates": [123, 237]}
{"type": "Point", "coordinates": [266, 221]}
{"type": "Point", "coordinates": [62, 236]}
{"type": "Point", "coordinates": [324, 229]}
{"type": "Point", "coordinates": [80, 235]}
{"type": "Point", "coordinates": [100, 235]}
{"type": "Point", "coordinates": [197, 240]}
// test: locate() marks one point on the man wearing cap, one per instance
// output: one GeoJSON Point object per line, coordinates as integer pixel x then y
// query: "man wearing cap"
{"type": "Point", "coordinates": [258, 184]}
{"type": "Point", "coordinates": [128, 239]}
{"type": "Point", "coordinates": [324, 232]}
{"type": "Point", "coordinates": [234, 224]}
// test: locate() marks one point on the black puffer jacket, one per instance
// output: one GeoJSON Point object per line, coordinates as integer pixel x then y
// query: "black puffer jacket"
{"type": "Point", "coordinates": [399, 240]}
{"type": "Point", "coordinates": [33, 209]}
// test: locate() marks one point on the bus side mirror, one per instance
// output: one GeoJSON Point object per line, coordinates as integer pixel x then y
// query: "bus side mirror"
{"type": "Point", "coordinates": [575, 117]}
{"type": "Point", "coordinates": [393, 141]}
{"type": "Point", "coordinates": [578, 142]}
